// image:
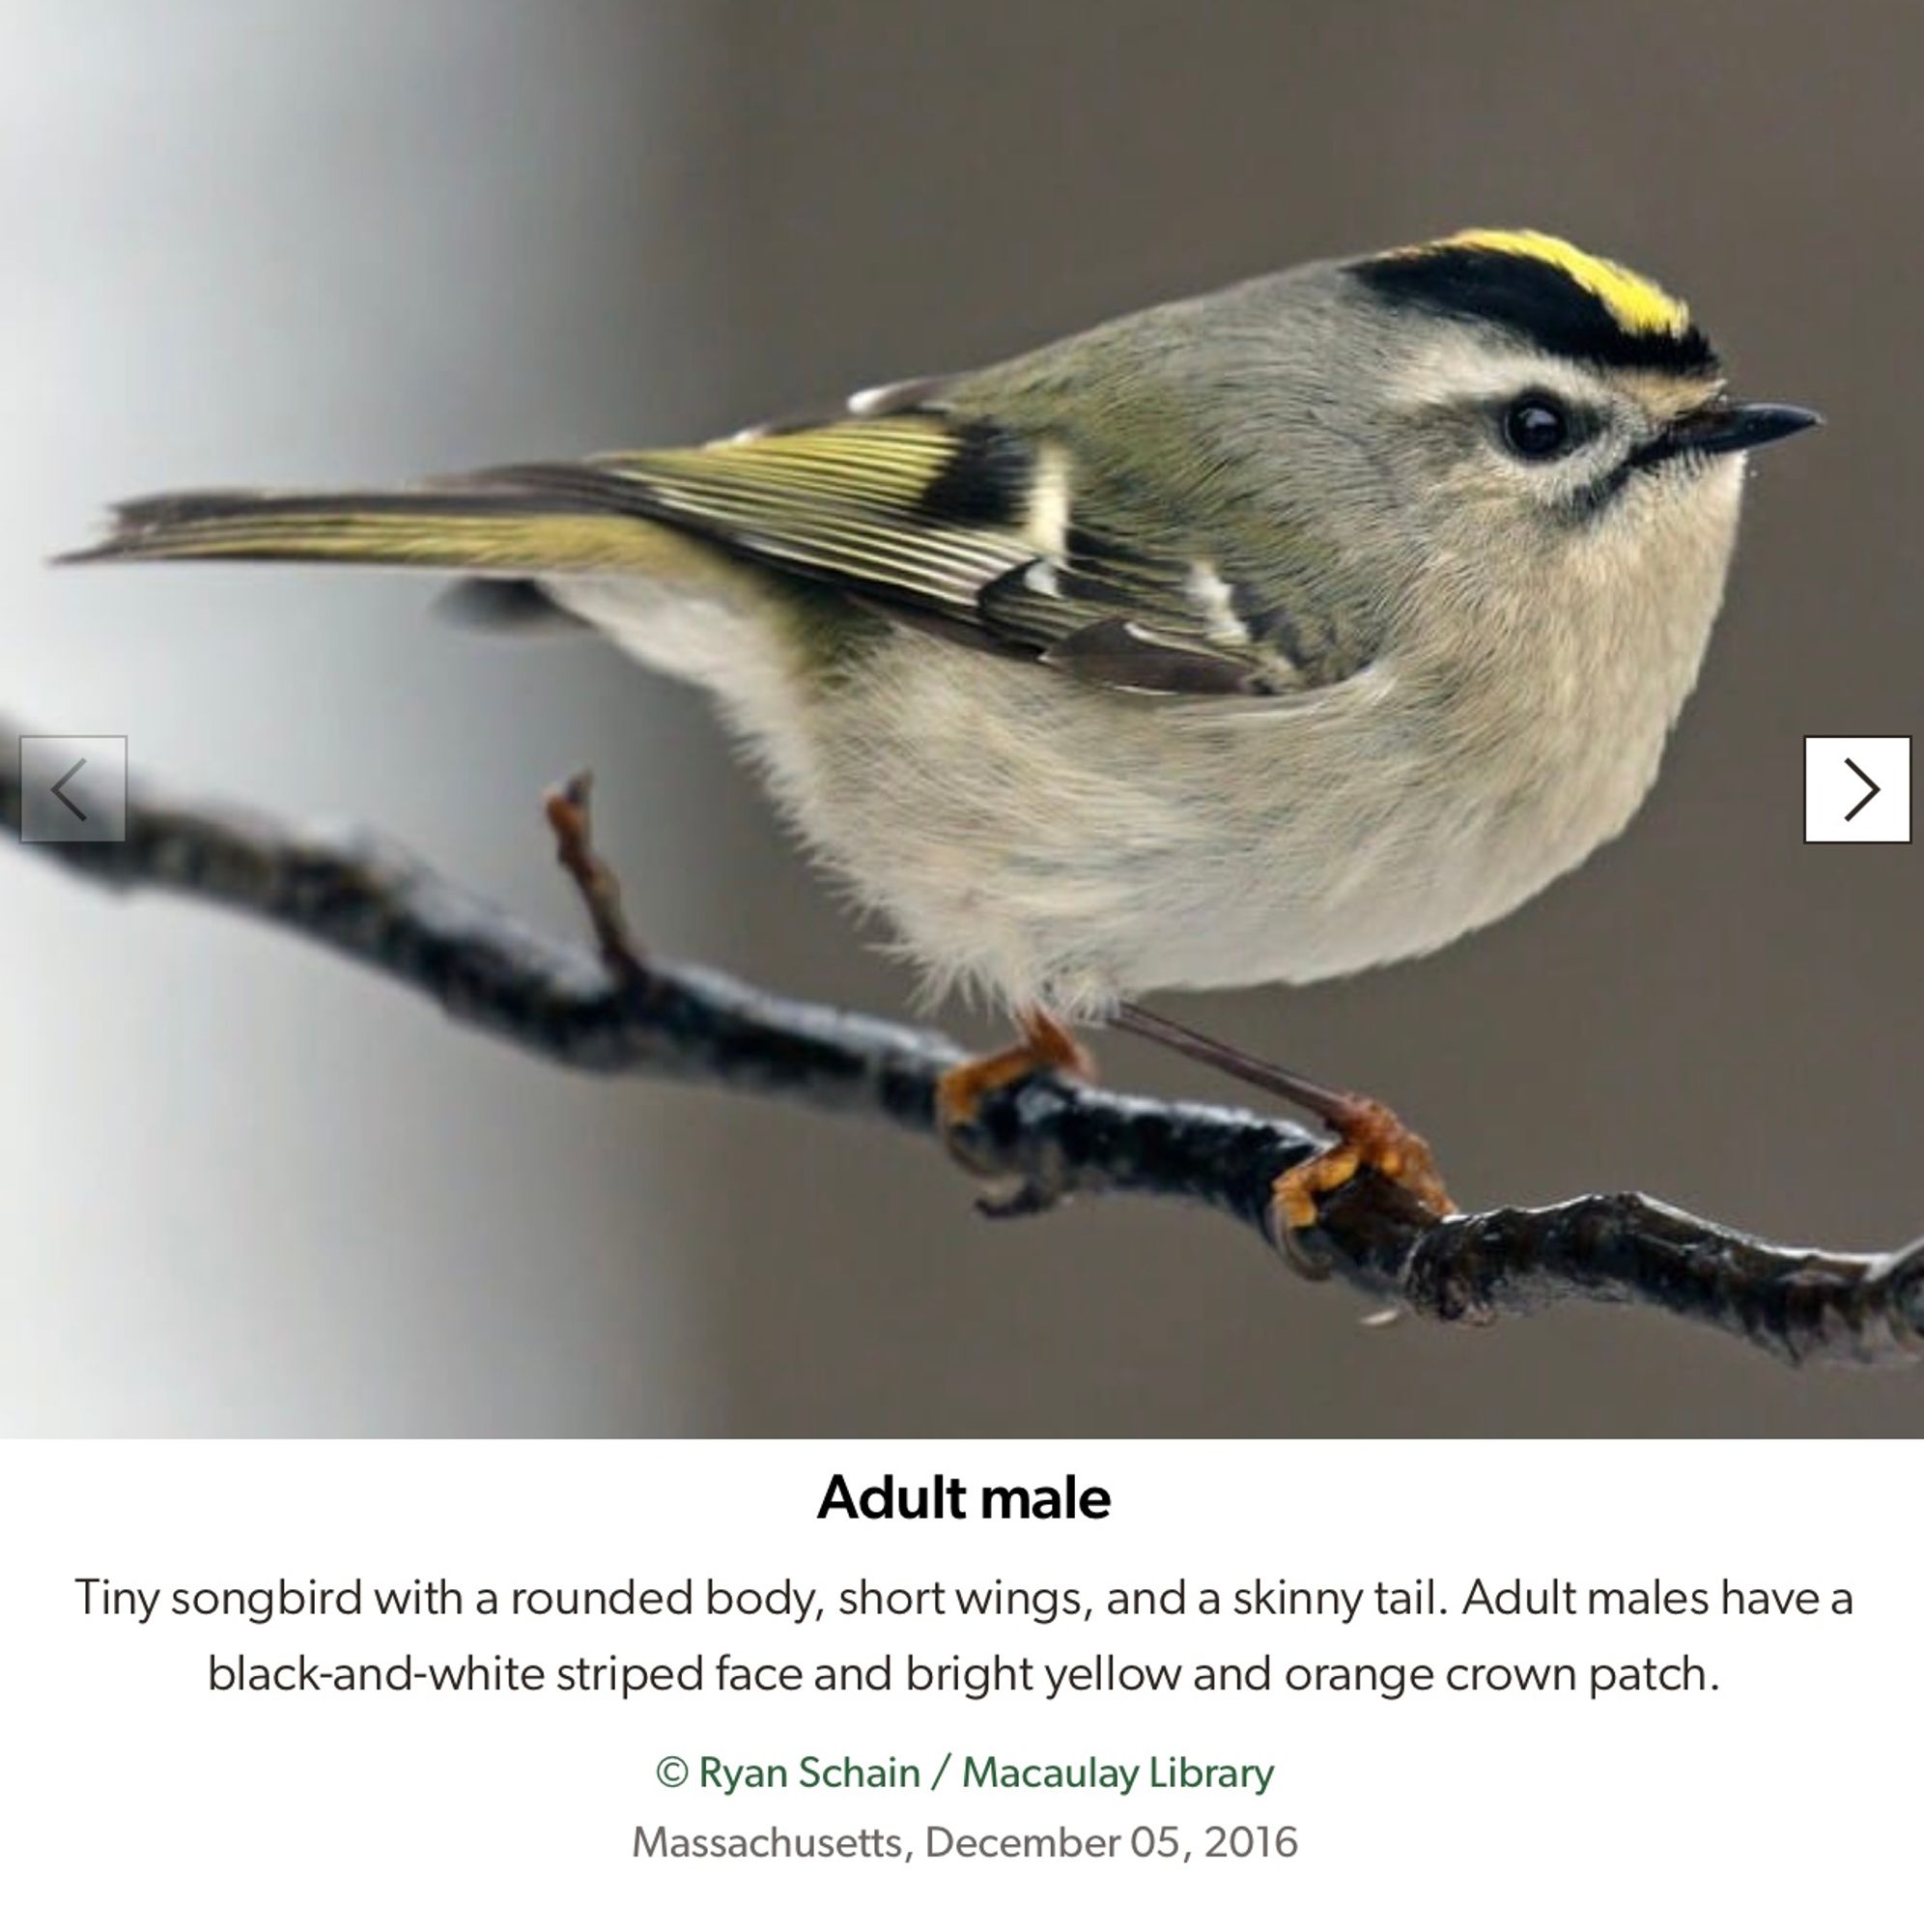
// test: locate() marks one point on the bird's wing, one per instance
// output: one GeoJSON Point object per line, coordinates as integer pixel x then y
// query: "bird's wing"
{"type": "Point", "coordinates": [911, 504]}
{"type": "Point", "coordinates": [962, 527]}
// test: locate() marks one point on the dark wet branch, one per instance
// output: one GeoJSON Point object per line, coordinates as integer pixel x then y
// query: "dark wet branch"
{"type": "Point", "coordinates": [610, 1009]}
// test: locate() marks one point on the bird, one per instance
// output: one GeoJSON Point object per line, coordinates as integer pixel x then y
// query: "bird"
{"type": "Point", "coordinates": [1264, 635]}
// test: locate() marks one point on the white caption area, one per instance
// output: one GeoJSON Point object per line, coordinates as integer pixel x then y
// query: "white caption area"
{"type": "Point", "coordinates": [1348, 1753]}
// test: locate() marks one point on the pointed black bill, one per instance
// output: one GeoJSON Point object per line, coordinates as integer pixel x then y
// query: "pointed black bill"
{"type": "Point", "coordinates": [1722, 428]}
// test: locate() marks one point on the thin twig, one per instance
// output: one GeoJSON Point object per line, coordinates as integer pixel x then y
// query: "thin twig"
{"type": "Point", "coordinates": [571, 821]}
{"type": "Point", "coordinates": [615, 1010]}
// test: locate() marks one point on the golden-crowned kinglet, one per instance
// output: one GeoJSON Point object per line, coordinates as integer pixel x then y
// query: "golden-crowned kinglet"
{"type": "Point", "coordinates": [1263, 636]}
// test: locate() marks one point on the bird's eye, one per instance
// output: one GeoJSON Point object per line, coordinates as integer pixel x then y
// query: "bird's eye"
{"type": "Point", "coordinates": [1537, 428]}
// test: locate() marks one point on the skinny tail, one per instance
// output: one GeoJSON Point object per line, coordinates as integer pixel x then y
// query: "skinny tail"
{"type": "Point", "coordinates": [482, 525]}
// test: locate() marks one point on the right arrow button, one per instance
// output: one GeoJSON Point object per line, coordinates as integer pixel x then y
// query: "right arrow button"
{"type": "Point", "coordinates": [1844, 805]}
{"type": "Point", "coordinates": [1875, 788]}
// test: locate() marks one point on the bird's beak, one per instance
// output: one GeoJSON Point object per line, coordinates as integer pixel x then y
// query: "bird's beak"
{"type": "Point", "coordinates": [1721, 428]}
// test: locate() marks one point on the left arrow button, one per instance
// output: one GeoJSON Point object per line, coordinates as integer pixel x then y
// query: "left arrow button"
{"type": "Point", "coordinates": [73, 788]}
{"type": "Point", "coordinates": [79, 765]}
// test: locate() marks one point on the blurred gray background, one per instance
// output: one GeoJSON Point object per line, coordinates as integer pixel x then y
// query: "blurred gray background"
{"type": "Point", "coordinates": [246, 1188]}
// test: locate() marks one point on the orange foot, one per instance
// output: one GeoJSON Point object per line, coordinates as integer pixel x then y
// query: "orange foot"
{"type": "Point", "coordinates": [1046, 1046]}
{"type": "Point", "coordinates": [1368, 1135]}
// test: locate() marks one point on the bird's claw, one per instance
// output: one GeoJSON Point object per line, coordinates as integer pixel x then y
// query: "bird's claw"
{"type": "Point", "coordinates": [1046, 1049]}
{"type": "Point", "coordinates": [1369, 1135]}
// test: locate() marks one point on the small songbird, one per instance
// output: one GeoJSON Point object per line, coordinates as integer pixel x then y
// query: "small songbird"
{"type": "Point", "coordinates": [1264, 636]}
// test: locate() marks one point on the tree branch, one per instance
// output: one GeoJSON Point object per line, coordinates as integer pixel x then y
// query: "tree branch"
{"type": "Point", "coordinates": [615, 1009]}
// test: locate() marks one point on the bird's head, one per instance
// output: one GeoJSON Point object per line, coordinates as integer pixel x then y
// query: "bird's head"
{"type": "Point", "coordinates": [1536, 394]}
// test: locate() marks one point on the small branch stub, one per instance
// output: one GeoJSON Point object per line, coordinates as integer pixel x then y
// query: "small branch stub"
{"type": "Point", "coordinates": [569, 819]}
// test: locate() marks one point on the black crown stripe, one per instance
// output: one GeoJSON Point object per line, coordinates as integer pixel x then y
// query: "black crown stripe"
{"type": "Point", "coordinates": [1535, 298]}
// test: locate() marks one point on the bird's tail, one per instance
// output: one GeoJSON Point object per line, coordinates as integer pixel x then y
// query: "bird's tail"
{"type": "Point", "coordinates": [495, 525]}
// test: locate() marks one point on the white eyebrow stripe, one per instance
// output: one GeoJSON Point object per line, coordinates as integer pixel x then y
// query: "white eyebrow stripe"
{"type": "Point", "coordinates": [1450, 371]}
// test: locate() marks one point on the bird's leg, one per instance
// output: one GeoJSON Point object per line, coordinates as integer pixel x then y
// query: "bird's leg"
{"type": "Point", "coordinates": [1045, 1046]}
{"type": "Point", "coordinates": [1368, 1134]}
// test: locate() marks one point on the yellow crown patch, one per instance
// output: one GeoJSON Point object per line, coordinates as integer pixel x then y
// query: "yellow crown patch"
{"type": "Point", "coordinates": [1635, 302]}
